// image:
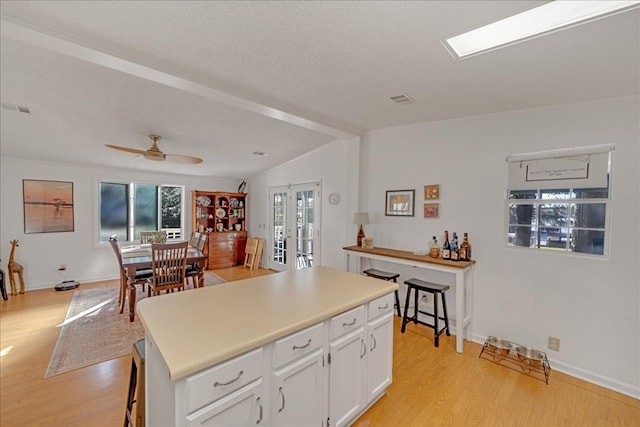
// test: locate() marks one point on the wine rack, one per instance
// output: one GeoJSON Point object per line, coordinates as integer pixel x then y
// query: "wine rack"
{"type": "Point", "coordinates": [512, 355]}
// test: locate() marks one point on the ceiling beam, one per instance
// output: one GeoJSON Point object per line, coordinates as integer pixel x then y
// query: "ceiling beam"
{"type": "Point", "coordinates": [16, 30]}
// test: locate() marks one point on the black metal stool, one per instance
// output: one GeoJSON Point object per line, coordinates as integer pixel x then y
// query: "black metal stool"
{"type": "Point", "coordinates": [136, 381]}
{"type": "Point", "coordinates": [418, 286]}
{"type": "Point", "coordinates": [385, 275]}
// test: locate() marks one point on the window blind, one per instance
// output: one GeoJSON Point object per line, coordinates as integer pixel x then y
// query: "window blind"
{"type": "Point", "coordinates": [580, 167]}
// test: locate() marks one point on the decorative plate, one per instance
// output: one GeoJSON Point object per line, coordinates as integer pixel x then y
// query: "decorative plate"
{"type": "Point", "coordinates": [220, 213]}
{"type": "Point", "coordinates": [203, 201]}
{"type": "Point", "coordinates": [233, 202]}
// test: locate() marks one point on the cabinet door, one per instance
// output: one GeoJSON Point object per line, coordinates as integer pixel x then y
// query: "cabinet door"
{"type": "Point", "coordinates": [243, 407]}
{"type": "Point", "coordinates": [346, 377]}
{"type": "Point", "coordinates": [380, 355]}
{"type": "Point", "coordinates": [297, 392]}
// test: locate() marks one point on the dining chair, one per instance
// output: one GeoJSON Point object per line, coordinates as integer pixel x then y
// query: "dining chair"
{"type": "Point", "coordinates": [195, 271]}
{"type": "Point", "coordinates": [153, 237]}
{"type": "Point", "coordinates": [139, 279]}
{"type": "Point", "coordinates": [195, 238]}
{"type": "Point", "coordinates": [169, 262]}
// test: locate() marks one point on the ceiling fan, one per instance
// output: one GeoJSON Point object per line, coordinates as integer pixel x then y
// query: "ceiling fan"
{"type": "Point", "coordinates": [154, 153]}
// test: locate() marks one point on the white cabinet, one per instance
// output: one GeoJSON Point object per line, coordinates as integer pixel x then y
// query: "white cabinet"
{"type": "Point", "coordinates": [298, 380]}
{"type": "Point", "coordinates": [360, 360]}
{"type": "Point", "coordinates": [379, 356]}
{"type": "Point", "coordinates": [297, 392]}
{"type": "Point", "coordinates": [325, 375]}
{"type": "Point", "coordinates": [240, 408]}
{"type": "Point", "coordinates": [228, 394]}
{"type": "Point", "coordinates": [347, 347]}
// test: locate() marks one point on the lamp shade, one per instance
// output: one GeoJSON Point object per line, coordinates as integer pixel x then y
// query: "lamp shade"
{"type": "Point", "coordinates": [361, 218]}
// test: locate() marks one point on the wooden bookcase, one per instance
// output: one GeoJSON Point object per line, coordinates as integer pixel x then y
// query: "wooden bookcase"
{"type": "Point", "coordinates": [222, 216]}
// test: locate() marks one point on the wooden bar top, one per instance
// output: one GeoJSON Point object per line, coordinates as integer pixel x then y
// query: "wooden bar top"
{"type": "Point", "coordinates": [407, 255]}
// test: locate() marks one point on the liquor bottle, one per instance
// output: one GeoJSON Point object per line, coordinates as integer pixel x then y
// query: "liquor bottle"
{"type": "Point", "coordinates": [455, 249]}
{"type": "Point", "coordinates": [434, 249]}
{"type": "Point", "coordinates": [465, 249]}
{"type": "Point", "coordinates": [446, 246]}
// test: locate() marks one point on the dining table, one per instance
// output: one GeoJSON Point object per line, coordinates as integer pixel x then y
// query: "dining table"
{"type": "Point", "coordinates": [138, 257]}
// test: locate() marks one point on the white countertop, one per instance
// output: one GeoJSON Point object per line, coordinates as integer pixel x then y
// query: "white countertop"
{"type": "Point", "coordinates": [198, 328]}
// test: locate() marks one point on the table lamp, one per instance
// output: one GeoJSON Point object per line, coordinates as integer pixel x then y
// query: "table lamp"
{"type": "Point", "coordinates": [360, 218]}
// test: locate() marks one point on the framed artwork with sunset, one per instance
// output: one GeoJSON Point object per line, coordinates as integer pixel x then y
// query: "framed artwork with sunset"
{"type": "Point", "coordinates": [48, 206]}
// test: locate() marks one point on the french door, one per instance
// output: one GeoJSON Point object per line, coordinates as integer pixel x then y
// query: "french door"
{"type": "Point", "coordinates": [294, 224]}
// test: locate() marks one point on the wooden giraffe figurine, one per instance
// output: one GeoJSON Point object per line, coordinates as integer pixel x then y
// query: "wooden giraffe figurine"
{"type": "Point", "coordinates": [16, 268]}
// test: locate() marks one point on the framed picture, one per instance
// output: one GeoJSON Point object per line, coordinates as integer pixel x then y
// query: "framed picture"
{"type": "Point", "coordinates": [400, 203]}
{"type": "Point", "coordinates": [431, 192]}
{"type": "Point", "coordinates": [48, 206]}
{"type": "Point", "coordinates": [431, 210]}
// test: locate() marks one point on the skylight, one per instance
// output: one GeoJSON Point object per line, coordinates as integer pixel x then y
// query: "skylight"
{"type": "Point", "coordinates": [545, 19]}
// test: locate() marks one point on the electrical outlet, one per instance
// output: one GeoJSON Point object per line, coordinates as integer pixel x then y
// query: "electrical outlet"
{"type": "Point", "coordinates": [554, 344]}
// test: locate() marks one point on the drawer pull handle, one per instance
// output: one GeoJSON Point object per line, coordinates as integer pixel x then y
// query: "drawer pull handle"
{"type": "Point", "coordinates": [373, 343]}
{"type": "Point", "coordinates": [260, 406]}
{"type": "Point", "coordinates": [351, 323]}
{"type": "Point", "coordinates": [364, 348]}
{"type": "Point", "coordinates": [217, 383]}
{"type": "Point", "coordinates": [283, 401]}
{"type": "Point", "coordinates": [300, 347]}
{"type": "Point", "coordinates": [384, 308]}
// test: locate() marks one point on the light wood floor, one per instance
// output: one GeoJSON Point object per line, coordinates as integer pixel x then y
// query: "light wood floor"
{"type": "Point", "coordinates": [431, 386]}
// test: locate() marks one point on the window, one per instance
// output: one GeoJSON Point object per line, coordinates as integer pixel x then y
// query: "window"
{"type": "Point", "coordinates": [126, 209]}
{"type": "Point", "coordinates": [559, 200]}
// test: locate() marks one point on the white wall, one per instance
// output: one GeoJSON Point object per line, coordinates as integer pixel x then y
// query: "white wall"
{"type": "Point", "coordinates": [591, 305]}
{"type": "Point", "coordinates": [335, 166]}
{"type": "Point", "coordinates": [41, 254]}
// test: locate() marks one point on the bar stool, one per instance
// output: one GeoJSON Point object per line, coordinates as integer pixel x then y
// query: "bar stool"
{"type": "Point", "coordinates": [136, 379]}
{"type": "Point", "coordinates": [385, 275]}
{"type": "Point", "coordinates": [434, 289]}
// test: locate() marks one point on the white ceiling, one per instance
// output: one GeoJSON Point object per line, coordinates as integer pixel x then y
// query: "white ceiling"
{"type": "Point", "coordinates": [220, 80]}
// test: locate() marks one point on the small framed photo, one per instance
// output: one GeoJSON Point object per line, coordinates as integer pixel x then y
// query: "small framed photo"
{"type": "Point", "coordinates": [400, 203]}
{"type": "Point", "coordinates": [431, 210]}
{"type": "Point", "coordinates": [431, 192]}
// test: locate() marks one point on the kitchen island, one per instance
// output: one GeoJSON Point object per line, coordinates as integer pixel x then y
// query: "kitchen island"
{"type": "Point", "coordinates": [304, 347]}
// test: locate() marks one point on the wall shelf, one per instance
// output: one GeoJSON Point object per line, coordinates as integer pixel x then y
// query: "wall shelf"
{"type": "Point", "coordinates": [513, 355]}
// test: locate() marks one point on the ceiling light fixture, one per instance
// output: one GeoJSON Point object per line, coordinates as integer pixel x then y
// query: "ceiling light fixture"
{"type": "Point", "coordinates": [545, 19]}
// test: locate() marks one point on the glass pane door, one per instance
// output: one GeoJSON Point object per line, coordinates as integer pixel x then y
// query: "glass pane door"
{"type": "Point", "coordinates": [304, 228]}
{"type": "Point", "coordinates": [294, 208]}
{"type": "Point", "coordinates": [279, 230]}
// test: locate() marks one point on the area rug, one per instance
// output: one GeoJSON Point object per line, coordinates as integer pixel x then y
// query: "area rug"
{"type": "Point", "coordinates": [94, 331]}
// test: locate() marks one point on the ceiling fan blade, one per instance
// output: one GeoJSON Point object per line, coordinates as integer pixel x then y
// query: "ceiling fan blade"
{"type": "Point", "coordinates": [127, 149]}
{"type": "Point", "coordinates": [178, 158]}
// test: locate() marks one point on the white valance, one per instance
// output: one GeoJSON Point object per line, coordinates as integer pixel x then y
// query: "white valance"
{"type": "Point", "coordinates": [581, 167]}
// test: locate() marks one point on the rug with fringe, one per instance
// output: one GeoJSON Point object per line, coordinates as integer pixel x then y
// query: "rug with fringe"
{"type": "Point", "coordinates": [94, 331]}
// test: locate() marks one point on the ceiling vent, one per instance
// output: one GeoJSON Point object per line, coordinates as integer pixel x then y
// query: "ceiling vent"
{"type": "Point", "coordinates": [17, 108]}
{"type": "Point", "coordinates": [403, 99]}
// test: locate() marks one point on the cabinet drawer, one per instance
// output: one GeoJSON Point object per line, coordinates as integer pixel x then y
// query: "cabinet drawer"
{"type": "Point", "coordinates": [346, 322]}
{"type": "Point", "coordinates": [222, 245]}
{"type": "Point", "coordinates": [298, 344]}
{"type": "Point", "coordinates": [228, 236]}
{"type": "Point", "coordinates": [220, 254]}
{"type": "Point", "coordinates": [222, 379]}
{"type": "Point", "coordinates": [380, 306]}
{"type": "Point", "coordinates": [218, 237]}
